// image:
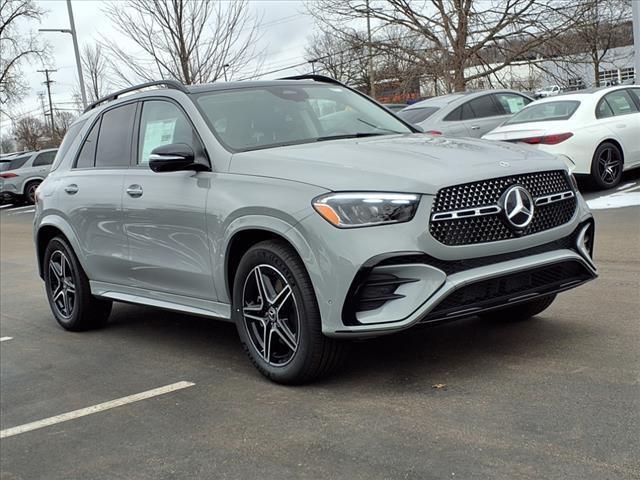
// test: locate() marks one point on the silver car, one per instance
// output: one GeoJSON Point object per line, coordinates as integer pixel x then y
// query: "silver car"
{"type": "Point", "coordinates": [305, 227]}
{"type": "Point", "coordinates": [465, 114]}
{"type": "Point", "coordinates": [20, 175]}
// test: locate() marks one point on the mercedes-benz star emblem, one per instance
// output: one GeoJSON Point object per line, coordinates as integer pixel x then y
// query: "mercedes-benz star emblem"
{"type": "Point", "coordinates": [517, 204]}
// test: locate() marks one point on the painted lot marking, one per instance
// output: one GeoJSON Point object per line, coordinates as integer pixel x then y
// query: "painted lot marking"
{"type": "Point", "coordinates": [15, 211]}
{"type": "Point", "coordinates": [625, 198]}
{"type": "Point", "coordinates": [6, 206]}
{"type": "Point", "coordinates": [83, 412]}
{"type": "Point", "coordinates": [4, 339]}
{"type": "Point", "coordinates": [25, 207]}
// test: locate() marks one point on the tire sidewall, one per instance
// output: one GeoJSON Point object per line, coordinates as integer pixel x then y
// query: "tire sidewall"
{"type": "Point", "coordinates": [307, 311]}
{"type": "Point", "coordinates": [30, 186]}
{"type": "Point", "coordinates": [595, 173]}
{"type": "Point", "coordinates": [58, 244]}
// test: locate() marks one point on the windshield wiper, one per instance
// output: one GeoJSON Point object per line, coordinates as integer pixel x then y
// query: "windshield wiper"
{"type": "Point", "coordinates": [372, 125]}
{"type": "Point", "coordinates": [348, 135]}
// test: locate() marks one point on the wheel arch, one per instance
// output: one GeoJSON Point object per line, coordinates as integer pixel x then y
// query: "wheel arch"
{"type": "Point", "coordinates": [49, 228]}
{"type": "Point", "coordinates": [246, 232]}
{"type": "Point", "coordinates": [29, 181]}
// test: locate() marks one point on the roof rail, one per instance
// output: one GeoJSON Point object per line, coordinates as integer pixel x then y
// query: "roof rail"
{"type": "Point", "coordinates": [173, 84]}
{"type": "Point", "coordinates": [313, 76]}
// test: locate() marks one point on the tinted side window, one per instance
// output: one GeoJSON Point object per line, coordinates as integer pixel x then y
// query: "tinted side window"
{"type": "Point", "coordinates": [620, 102]}
{"type": "Point", "coordinates": [467, 112]}
{"type": "Point", "coordinates": [511, 103]}
{"type": "Point", "coordinates": [17, 162]}
{"type": "Point", "coordinates": [635, 92]}
{"type": "Point", "coordinates": [45, 158]}
{"type": "Point", "coordinates": [114, 140]}
{"type": "Point", "coordinates": [163, 123]}
{"type": "Point", "coordinates": [484, 107]}
{"type": "Point", "coordinates": [88, 152]}
{"type": "Point", "coordinates": [453, 116]}
{"type": "Point", "coordinates": [603, 110]}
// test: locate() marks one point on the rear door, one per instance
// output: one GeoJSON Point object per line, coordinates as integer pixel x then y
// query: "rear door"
{"type": "Point", "coordinates": [484, 115]}
{"type": "Point", "coordinates": [619, 112]}
{"type": "Point", "coordinates": [164, 212]}
{"type": "Point", "coordinates": [91, 194]}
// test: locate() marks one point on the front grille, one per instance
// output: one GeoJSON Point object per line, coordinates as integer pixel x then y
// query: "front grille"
{"type": "Point", "coordinates": [500, 291]}
{"type": "Point", "coordinates": [493, 227]}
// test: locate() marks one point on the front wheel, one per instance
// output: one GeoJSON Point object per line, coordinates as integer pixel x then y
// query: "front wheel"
{"type": "Point", "coordinates": [277, 316]}
{"type": "Point", "coordinates": [606, 166]}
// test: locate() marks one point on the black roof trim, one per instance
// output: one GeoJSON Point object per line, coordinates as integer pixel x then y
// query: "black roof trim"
{"type": "Point", "coordinates": [172, 84]}
{"type": "Point", "coordinates": [312, 76]}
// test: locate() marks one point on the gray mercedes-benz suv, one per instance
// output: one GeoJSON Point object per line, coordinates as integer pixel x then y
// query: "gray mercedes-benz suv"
{"type": "Point", "coordinates": [304, 212]}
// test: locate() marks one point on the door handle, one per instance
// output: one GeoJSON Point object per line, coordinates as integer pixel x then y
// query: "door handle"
{"type": "Point", "coordinates": [134, 191]}
{"type": "Point", "coordinates": [71, 189]}
{"type": "Point", "coordinates": [475, 127]}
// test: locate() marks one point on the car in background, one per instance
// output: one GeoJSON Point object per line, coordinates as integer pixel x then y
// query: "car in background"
{"type": "Point", "coordinates": [468, 114]}
{"type": "Point", "coordinates": [394, 107]}
{"type": "Point", "coordinates": [20, 175]}
{"type": "Point", "coordinates": [548, 91]}
{"type": "Point", "coordinates": [596, 132]}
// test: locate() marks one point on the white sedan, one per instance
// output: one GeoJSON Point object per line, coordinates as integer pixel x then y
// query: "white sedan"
{"type": "Point", "coordinates": [596, 132]}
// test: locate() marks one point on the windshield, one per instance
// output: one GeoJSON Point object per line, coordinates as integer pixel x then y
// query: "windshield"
{"type": "Point", "coordinates": [545, 112]}
{"type": "Point", "coordinates": [416, 115]}
{"type": "Point", "coordinates": [271, 116]}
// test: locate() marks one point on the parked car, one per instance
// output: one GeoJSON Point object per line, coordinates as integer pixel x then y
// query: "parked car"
{"type": "Point", "coordinates": [239, 201]}
{"type": "Point", "coordinates": [395, 107]}
{"type": "Point", "coordinates": [465, 114]}
{"type": "Point", "coordinates": [596, 132]}
{"type": "Point", "coordinates": [548, 91]}
{"type": "Point", "coordinates": [21, 174]}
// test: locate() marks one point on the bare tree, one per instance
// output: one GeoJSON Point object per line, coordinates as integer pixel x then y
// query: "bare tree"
{"type": "Point", "coordinates": [604, 25]}
{"type": "Point", "coordinates": [193, 42]}
{"type": "Point", "coordinates": [29, 133]}
{"type": "Point", "coordinates": [343, 58]}
{"type": "Point", "coordinates": [456, 34]}
{"type": "Point", "coordinates": [96, 71]}
{"type": "Point", "coordinates": [17, 46]}
{"type": "Point", "coordinates": [7, 144]}
{"type": "Point", "coordinates": [61, 122]}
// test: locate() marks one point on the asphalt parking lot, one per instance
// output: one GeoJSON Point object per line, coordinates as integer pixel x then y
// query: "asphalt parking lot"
{"type": "Point", "coordinates": [554, 397]}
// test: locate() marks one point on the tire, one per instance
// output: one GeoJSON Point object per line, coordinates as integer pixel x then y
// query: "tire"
{"type": "Point", "coordinates": [297, 352]}
{"type": "Point", "coordinates": [520, 312]}
{"type": "Point", "coordinates": [30, 192]}
{"type": "Point", "coordinates": [68, 290]}
{"type": "Point", "coordinates": [606, 166]}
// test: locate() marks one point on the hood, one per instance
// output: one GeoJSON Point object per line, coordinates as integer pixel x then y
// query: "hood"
{"type": "Point", "coordinates": [411, 163]}
{"type": "Point", "coordinates": [529, 129]}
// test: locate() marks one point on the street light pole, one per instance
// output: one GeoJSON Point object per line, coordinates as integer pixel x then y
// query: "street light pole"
{"type": "Point", "coordinates": [72, 31]}
{"type": "Point", "coordinates": [636, 38]}
{"type": "Point", "coordinates": [224, 71]}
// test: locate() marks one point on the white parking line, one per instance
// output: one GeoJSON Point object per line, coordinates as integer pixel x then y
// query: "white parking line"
{"type": "Point", "coordinates": [625, 186]}
{"type": "Point", "coordinates": [25, 207]}
{"type": "Point", "coordinates": [6, 206]}
{"type": "Point", "coordinates": [14, 212]}
{"type": "Point", "coordinates": [83, 412]}
{"type": "Point", "coordinates": [4, 339]}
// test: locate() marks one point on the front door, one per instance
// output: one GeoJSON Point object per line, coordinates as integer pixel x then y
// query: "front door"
{"type": "Point", "coordinates": [164, 213]}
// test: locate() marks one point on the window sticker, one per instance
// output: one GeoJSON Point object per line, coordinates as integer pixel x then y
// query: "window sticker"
{"type": "Point", "coordinates": [156, 134]}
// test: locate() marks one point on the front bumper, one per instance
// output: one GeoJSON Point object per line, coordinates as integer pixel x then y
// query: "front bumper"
{"type": "Point", "coordinates": [426, 281]}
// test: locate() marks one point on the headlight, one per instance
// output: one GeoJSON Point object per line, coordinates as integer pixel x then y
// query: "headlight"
{"type": "Point", "coordinates": [363, 209]}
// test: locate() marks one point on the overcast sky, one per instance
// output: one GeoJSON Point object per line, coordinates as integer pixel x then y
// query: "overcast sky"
{"type": "Point", "coordinates": [284, 34]}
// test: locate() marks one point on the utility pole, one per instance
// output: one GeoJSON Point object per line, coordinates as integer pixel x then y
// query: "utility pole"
{"type": "Point", "coordinates": [372, 81]}
{"type": "Point", "coordinates": [636, 37]}
{"type": "Point", "coordinates": [74, 36]}
{"type": "Point", "coordinates": [44, 110]}
{"type": "Point", "coordinates": [48, 83]}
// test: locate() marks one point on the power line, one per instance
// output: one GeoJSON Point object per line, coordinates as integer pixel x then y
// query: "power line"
{"type": "Point", "coordinates": [48, 83]}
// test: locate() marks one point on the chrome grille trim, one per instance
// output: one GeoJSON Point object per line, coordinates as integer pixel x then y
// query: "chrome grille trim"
{"type": "Point", "coordinates": [467, 212]}
{"type": "Point", "coordinates": [556, 197]}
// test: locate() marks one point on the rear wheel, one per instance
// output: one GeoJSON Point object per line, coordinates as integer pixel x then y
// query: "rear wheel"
{"type": "Point", "coordinates": [68, 290]}
{"type": "Point", "coordinates": [277, 316]}
{"type": "Point", "coordinates": [521, 311]}
{"type": "Point", "coordinates": [30, 192]}
{"type": "Point", "coordinates": [606, 166]}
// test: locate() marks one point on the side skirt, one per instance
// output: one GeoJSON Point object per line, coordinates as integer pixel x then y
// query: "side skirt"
{"type": "Point", "coordinates": [168, 301]}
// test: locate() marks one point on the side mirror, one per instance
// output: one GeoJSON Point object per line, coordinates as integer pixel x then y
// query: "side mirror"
{"type": "Point", "coordinates": [174, 157]}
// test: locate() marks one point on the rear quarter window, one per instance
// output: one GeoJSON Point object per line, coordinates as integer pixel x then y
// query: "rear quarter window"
{"type": "Point", "coordinates": [67, 142]}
